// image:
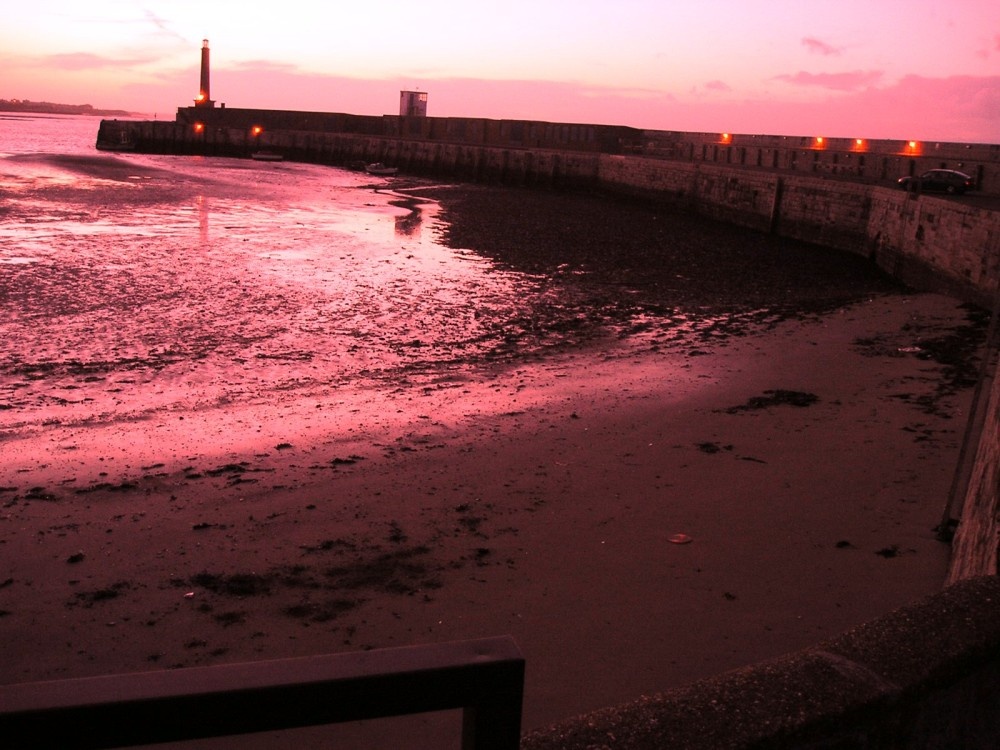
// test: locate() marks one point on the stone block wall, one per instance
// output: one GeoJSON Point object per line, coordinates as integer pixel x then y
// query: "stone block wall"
{"type": "Point", "coordinates": [976, 546]}
{"type": "Point", "coordinates": [927, 241]}
{"type": "Point", "coordinates": [922, 239]}
{"type": "Point", "coordinates": [922, 677]}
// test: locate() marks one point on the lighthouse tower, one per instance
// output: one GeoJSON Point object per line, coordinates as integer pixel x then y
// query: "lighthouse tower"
{"type": "Point", "coordinates": [204, 94]}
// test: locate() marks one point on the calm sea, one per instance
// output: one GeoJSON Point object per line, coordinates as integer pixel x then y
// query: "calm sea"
{"type": "Point", "coordinates": [134, 284]}
{"type": "Point", "coordinates": [141, 294]}
{"type": "Point", "coordinates": [136, 288]}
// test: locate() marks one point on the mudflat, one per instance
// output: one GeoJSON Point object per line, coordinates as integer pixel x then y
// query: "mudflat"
{"type": "Point", "coordinates": [723, 453]}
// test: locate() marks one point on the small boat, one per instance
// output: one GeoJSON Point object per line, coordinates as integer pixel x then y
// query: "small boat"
{"type": "Point", "coordinates": [266, 156]}
{"type": "Point", "coordinates": [380, 169]}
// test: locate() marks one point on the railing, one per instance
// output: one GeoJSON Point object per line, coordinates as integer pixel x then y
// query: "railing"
{"type": "Point", "coordinates": [484, 677]}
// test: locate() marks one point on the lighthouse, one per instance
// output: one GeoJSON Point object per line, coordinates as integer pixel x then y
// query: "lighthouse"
{"type": "Point", "coordinates": [204, 94]}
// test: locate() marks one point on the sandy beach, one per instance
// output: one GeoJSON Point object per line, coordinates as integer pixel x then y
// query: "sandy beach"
{"type": "Point", "coordinates": [638, 511]}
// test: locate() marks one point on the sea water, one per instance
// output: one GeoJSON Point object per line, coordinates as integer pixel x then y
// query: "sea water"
{"type": "Point", "coordinates": [203, 299]}
{"type": "Point", "coordinates": [131, 284]}
{"type": "Point", "coordinates": [152, 306]}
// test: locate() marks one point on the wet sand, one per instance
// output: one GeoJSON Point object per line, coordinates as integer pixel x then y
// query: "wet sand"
{"type": "Point", "coordinates": [800, 435]}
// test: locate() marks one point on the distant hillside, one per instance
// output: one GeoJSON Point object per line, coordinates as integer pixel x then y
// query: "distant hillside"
{"type": "Point", "coordinates": [24, 105]}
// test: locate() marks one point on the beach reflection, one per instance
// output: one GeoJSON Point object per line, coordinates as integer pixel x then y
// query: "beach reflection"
{"type": "Point", "coordinates": [203, 213]}
{"type": "Point", "coordinates": [408, 224]}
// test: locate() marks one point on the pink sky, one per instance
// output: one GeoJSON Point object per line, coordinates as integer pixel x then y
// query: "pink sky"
{"type": "Point", "coordinates": [923, 69]}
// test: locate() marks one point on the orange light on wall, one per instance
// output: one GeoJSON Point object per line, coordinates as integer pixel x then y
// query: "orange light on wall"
{"type": "Point", "coordinates": [820, 142]}
{"type": "Point", "coordinates": [201, 97]}
{"type": "Point", "coordinates": [256, 130]}
{"type": "Point", "coordinates": [726, 137]}
{"type": "Point", "coordinates": [859, 145]}
{"type": "Point", "coordinates": [913, 148]}
{"type": "Point", "coordinates": [199, 127]}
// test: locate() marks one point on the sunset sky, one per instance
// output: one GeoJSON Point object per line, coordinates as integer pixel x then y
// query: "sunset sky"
{"type": "Point", "coordinates": [925, 69]}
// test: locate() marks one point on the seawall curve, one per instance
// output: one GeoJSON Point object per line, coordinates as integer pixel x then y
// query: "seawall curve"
{"type": "Point", "coordinates": [937, 243]}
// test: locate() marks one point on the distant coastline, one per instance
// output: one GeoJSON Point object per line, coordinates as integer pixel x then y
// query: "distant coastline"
{"type": "Point", "coordinates": [50, 108]}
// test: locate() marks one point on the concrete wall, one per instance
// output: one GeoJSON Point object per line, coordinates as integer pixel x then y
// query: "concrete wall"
{"type": "Point", "coordinates": [929, 242]}
{"type": "Point", "coordinates": [976, 544]}
{"type": "Point", "coordinates": [924, 676]}
{"type": "Point", "coordinates": [476, 131]}
{"type": "Point", "coordinates": [861, 159]}
{"type": "Point", "coordinates": [872, 161]}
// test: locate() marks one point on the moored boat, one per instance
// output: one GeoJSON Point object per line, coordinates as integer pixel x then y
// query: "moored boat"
{"type": "Point", "coordinates": [380, 169]}
{"type": "Point", "coordinates": [266, 156]}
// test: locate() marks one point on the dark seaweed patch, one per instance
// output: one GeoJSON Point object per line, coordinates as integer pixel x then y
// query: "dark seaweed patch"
{"type": "Point", "coordinates": [778, 397]}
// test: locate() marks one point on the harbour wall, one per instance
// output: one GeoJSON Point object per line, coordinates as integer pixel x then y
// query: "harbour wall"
{"type": "Point", "coordinates": [929, 242]}
{"type": "Point", "coordinates": [869, 160]}
{"type": "Point", "coordinates": [919, 678]}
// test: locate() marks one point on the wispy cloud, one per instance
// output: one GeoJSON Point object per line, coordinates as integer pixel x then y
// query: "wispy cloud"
{"type": "Point", "coordinates": [854, 80]}
{"type": "Point", "coordinates": [265, 66]}
{"type": "Point", "coordinates": [89, 61]}
{"type": "Point", "coordinates": [164, 27]}
{"type": "Point", "coordinates": [718, 86]}
{"type": "Point", "coordinates": [819, 47]}
{"type": "Point", "coordinates": [988, 47]}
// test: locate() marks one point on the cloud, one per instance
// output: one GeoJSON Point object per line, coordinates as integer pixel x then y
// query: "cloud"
{"type": "Point", "coordinates": [989, 46]}
{"type": "Point", "coordinates": [718, 86]}
{"type": "Point", "coordinates": [850, 81]}
{"type": "Point", "coordinates": [956, 108]}
{"type": "Point", "coordinates": [87, 61]}
{"type": "Point", "coordinates": [819, 47]}
{"type": "Point", "coordinates": [960, 108]}
{"type": "Point", "coordinates": [265, 67]}
{"type": "Point", "coordinates": [164, 27]}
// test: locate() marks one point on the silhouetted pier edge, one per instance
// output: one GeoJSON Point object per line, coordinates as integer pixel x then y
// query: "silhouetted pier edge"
{"type": "Point", "coordinates": [924, 676]}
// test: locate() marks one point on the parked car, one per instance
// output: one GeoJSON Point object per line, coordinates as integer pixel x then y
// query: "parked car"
{"type": "Point", "coordinates": [939, 180]}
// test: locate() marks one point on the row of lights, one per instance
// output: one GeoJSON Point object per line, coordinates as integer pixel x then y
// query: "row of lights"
{"type": "Point", "coordinates": [256, 130]}
{"type": "Point", "coordinates": [912, 147]}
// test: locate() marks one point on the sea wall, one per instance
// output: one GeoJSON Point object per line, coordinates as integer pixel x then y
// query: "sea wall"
{"type": "Point", "coordinates": [862, 159]}
{"type": "Point", "coordinates": [924, 676]}
{"type": "Point", "coordinates": [929, 242]}
{"type": "Point", "coordinates": [976, 545]}
{"type": "Point", "coordinates": [926, 241]}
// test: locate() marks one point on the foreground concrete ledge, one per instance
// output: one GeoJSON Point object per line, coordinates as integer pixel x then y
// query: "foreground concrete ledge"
{"type": "Point", "coordinates": [926, 675]}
